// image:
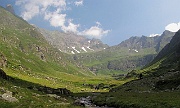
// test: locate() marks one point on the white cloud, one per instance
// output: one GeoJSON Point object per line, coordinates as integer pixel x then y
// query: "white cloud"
{"type": "Point", "coordinates": [173, 27]}
{"type": "Point", "coordinates": [31, 8]}
{"type": "Point", "coordinates": [78, 3]}
{"type": "Point", "coordinates": [71, 27]}
{"type": "Point", "coordinates": [55, 19]}
{"type": "Point", "coordinates": [95, 32]}
{"type": "Point", "coordinates": [53, 12]}
{"type": "Point", "coordinates": [34, 10]}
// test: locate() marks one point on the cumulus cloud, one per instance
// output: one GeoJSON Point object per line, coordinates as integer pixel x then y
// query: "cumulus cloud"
{"type": "Point", "coordinates": [31, 8]}
{"type": "Point", "coordinates": [78, 3]}
{"type": "Point", "coordinates": [53, 11]}
{"type": "Point", "coordinates": [55, 19]}
{"type": "Point", "coordinates": [95, 32]}
{"type": "Point", "coordinates": [173, 27]}
{"type": "Point", "coordinates": [71, 27]}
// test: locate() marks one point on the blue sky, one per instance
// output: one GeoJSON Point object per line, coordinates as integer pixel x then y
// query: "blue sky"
{"type": "Point", "coordinates": [112, 21]}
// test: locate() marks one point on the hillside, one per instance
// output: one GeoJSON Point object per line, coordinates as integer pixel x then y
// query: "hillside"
{"type": "Point", "coordinates": [163, 72]}
{"type": "Point", "coordinates": [157, 87]}
{"type": "Point", "coordinates": [71, 43]}
{"type": "Point", "coordinates": [25, 54]}
{"type": "Point", "coordinates": [130, 54]}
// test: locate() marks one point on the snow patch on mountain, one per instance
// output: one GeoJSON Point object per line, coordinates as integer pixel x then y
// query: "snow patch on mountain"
{"type": "Point", "coordinates": [74, 48]}
{"type": "Point", "coordinates": [84, 49]}
{"type": "Point", "coordinates": [72, 52]}
{"type": "Point", "coordinates": [136, 50]}
{"type": "Point", "coordinates": [89, 48]}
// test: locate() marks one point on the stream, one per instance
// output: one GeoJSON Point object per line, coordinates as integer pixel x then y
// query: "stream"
{"type": "Point", "coordinates": [87, 103]}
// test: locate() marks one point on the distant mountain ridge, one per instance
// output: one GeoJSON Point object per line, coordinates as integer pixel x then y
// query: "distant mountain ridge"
{"type": "Point", "coordinates": [71, 43]}
{"type": "Point", "coordinates": [130, 54]}
{"type": "Point", "coordinates": [138, 43]}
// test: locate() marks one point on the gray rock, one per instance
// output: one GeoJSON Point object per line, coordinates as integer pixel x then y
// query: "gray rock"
{"type": "Point", "coordinates": [8, 97]}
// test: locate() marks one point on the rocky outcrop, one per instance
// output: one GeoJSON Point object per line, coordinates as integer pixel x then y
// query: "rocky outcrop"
{"type": "Point", "coordinates": [10, 8]}
{"type": "Point", "coordinates": [3, 61]}
{"type": "Point", "coordinates": [8, 97]}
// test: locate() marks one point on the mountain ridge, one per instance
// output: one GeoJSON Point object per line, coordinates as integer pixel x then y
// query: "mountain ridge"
{"type": "Point", "coordinates": [130, 54]}
{"type": "Point", "coordinates": [71, 43]}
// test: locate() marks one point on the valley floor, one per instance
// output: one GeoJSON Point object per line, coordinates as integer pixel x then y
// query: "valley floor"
{"type": "Point", "coordinates": [34, 93]}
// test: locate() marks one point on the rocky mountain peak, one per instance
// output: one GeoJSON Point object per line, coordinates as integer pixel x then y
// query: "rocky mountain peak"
{"type": "Point", "coordinates": [71, 43]}
{"type": "Point", "coordinates": [10, 8]}
{"type": "Point", "coordinates": [156, 41]}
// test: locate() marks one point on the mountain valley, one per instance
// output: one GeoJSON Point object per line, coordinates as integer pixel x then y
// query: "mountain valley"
{"type": "Point", "coordinates": [51, 69]}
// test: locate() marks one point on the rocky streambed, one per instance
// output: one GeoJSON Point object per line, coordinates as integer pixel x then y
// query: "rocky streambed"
{"type": "Point", "coordinates": [87, 102]}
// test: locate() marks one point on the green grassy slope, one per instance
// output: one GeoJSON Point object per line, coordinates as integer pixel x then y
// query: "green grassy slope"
{"type": "Point", "coordinates": [159, 86]}
{"type": "Point", "coordinates": [29, 97]}
{"type": "Point", "coordinates": [26, 48]}
{"type": "Point", "coordinates": [26, 55]}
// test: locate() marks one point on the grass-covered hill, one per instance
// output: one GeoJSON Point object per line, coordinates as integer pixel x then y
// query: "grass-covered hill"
{"type": "Point", "coordinates": [26, 49]}
{"type": "Point", "coordinates": [25, 54]}
{"type": "Point", "coordinates": [130, 54]}
{"type": "Point", "coordinates": [35, 74]}
{"type": "Point", "coordinates": [157, 85]}
{"type": "Point", "coordinates": [163, 73]}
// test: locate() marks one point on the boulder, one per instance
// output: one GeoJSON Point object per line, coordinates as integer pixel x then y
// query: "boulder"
{"type": "Point", "coordinates": [8, 97]}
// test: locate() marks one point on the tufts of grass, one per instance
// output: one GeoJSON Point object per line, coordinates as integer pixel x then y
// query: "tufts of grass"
{"type": "Point", "coordinates": [139, 100]}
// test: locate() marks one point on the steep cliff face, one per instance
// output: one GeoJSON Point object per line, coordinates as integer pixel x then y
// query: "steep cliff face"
{"type": "Point", "coordinates": [71, 43]}
{"type": "Point", "coordinates": [172, 49]}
